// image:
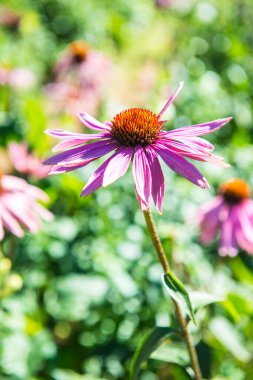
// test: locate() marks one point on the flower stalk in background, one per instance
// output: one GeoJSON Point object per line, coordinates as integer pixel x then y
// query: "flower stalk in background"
{"type": "Point", "coordinates": [19, 205]}
{"type": "Point", "coordinates": [229, 214]}
{"type": "Point", "coordinates": [136, 135]}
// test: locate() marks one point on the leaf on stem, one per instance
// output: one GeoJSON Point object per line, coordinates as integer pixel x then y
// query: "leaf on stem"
{"type": "Point", "coordinates": [178, 293]}
{"type": "Point", "coordinates": [150, 342]}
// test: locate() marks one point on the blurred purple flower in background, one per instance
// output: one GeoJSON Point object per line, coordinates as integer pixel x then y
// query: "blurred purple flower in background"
{"type": "Point", "coordinates": [136, 135]}
{"type": "Point", "coordinates": [163, 3]}
{"type": "Point", "coordinates": [79, 78]}
{"type": "Point", "coordinates": [9, 18]}
{"type": "Point", "coordinates": [229, 214]}
{"type": "Point", "coordinates": [25, 162]}
{"type": "Point", "coordinates": [19, 206]}
{"type": "Point", "coordinates": [19, 78]}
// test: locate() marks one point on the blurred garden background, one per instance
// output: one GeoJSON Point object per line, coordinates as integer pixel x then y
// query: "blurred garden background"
{"type": "Point", "coordinates": [78, 296]}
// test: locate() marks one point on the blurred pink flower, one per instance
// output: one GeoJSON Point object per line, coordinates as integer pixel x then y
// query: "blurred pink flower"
{"type": "Point", "coordinates": [79, 77]}
{"type": "Point", "coordinates": [20, 78]}
{"type": "Point", "coordinates": [136, 135]}
{"type": "Point", "coordinates": [9, 18]}
{"type": "Point", "coordinates": [230, 214]}
{"type": "Point", "coordinates": [19, 206]}
{"type": "Point", "coordinates": [25, 162]}
{"type": "Point", "coordinates": [163, 3]}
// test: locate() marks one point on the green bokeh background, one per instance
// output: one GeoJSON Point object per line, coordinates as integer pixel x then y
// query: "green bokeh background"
{"type": "Point", "coordinates": [91, 281]}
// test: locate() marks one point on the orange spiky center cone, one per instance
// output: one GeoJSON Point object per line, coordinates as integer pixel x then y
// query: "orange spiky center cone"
{"type": "Point", "coordinates": [136, 126]}
{"type": "Point", "coordinates": [235, 190]}
{"type": "Point", "coordinates": [79, 50]}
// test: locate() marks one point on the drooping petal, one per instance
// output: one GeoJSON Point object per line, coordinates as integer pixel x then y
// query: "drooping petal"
{"type": "Point", "coordinates": [62, 134]}
{"type": "Point", "coordinates": [92, 123]}
{"type": "Point", "coordinates": [10, 223]}
{"type": "Point", "coordinates": [181, 166]}
{"type": "Point", "coordinates": [143, 205]}
{"type": "Point", "coordinates": [192, 151]}
{"type": "Point", "coordinates": [68, 143]}
{"type": "Point", "coordinates": [96, 179]}
{"type": "Point", "coordinates": [171, 99]}
{"type": "Point", "coordinates": [20, 208]}
{"type": "Point", "coordinates": [118, 165]}
{"type": "Point", "coordinates": [209, 218]}
{"type": "Point", "coordinates": [157, 187]}
{"type": "Point", "coordinates": [228, 245]}
{"type": "Point", "coordinates": [81, 153]}
{"type": "Point", "coordinates": [197, 129]}
{"type": "Point", "coordinates": [244, 230]}
{"type": "Point", "coordinates": [58, 169]}
{"type": "Point", "coordinates": [142, 175]}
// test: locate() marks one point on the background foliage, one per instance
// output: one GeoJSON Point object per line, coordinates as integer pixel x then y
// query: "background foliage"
{"type": "Point", "coordinates": [78, 297]}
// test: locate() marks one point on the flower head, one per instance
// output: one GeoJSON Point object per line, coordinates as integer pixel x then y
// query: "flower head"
{"type": "Point", "coordinates": [79, 78]}
{"type": "Point", "coordinates": [19, 206]}
{"type": "Point", "coordinates": [229, 214]}
{"type": "Point", "coordinates": [25, 162]}
{"type": "Point", "coordinates": [136, 135]}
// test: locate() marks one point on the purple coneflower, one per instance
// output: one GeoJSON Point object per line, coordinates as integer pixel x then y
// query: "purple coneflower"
{"type": "Point", "coordinates": [25, 162]}
{"type": "Point", "coordinates": [136, 135]}
{"type": "Point", "coordinates": [79, 78]}
{"type": "Point", "coordinates": [229, 214]}
{"type": "Point", "coordinates": [19, 206]}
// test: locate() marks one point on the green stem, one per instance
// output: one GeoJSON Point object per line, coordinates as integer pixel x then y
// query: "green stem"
{"type": "Point", "coordinates": [166, 267]}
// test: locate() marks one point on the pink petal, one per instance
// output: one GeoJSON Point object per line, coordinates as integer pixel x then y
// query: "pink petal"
{"type": "Point", "coordinates": [171, 99]}
{"type": "Point", "coordinates": [157, 188]}
{"type": "Point", "coordinates": [228, 245]}
{"type": "Point", "coordinates": [210, 219]}
{"type": "Point", "coordinates": [1, 229]}
{"type": "Point", "coordinates": [142, 175]}
{"type": "Point", "coordinates": [58, 169]}
{"type": "Point", "coordinates": [143, 205]}
{"type": "Point", "coordinates": [10, 223]}
{"type": "Point", "coordinates": [74, 142]}
{"type": "Point", "coordinates": [118, 165]}
{"type": "Point", "coordinates": [192, 151]}
{"type": "Point", "coordinates": [181, 166]}
{"type": "Point", "coordinates": [92, 123]}
{"type": "Point", "coordinates": [198, 129]}
{"type": "Point", "coordinates": [82, 153]}
{"type": "Point", "coordinates": [43, 212]}
{"type": "Point", "coordinates": [62, 134]}
{"type": "Point", "coordinates": [21, 210]}
{"type": "Point", "coordinates": [96, 179]}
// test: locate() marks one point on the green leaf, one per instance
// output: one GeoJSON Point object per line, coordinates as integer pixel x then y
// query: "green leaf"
{"type": "Point", "coordinates": [175, 372]}
{"type": "Point", "coordinates": [226, 333]}
{"type": "Point", "coordinates": [201, 299]}
{"type": "Point", "coordinates": [173, 352]}
{"type": "Point", "coordinates": [178, 293]}
{"type": "Point", "coordinates": [150, 342]}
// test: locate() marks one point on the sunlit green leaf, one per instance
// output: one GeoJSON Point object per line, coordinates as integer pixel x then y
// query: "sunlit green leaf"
{"type": "Point", "coordinates": [202, 299]}
{"type": "Point", "coordinates": [172, 352]}
{"type": "Point", "coordinates": [229, 337]}
{"type": "Point", "coordinates": [178, 293]}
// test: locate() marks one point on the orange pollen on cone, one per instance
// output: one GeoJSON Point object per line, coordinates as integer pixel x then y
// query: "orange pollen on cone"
{"type": "Point", "coordinates": [136, 126]}
{"type": "Point", "coordinates": [79, 50]}
{"type": "Point", "coordinates": [235, 190]}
